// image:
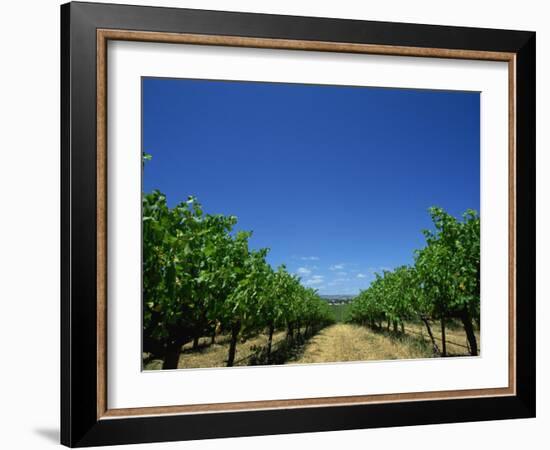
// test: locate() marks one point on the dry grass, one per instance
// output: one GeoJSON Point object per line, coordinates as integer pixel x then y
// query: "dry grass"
{"type": "Point", "coordinates": [216, 355]}
{"type": "Point", "coordinates": [455, 337]}
{"type": "Point", "coordinates": [345, 342]}
{"type": "Point", "coordinates": [336, 343]}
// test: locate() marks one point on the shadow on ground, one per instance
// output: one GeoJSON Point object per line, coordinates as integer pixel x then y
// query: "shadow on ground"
{"type": "Point", "coordinates": [49, 434]}
{"type": "Point", "coordinates": [287, 350]}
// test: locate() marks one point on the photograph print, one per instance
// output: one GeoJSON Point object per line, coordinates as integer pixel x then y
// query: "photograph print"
{"type": "Point", "coordinates": [302, 224]}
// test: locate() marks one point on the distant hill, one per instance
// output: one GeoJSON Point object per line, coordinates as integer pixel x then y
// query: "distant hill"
{"type": "Point", "coordinates": [337, 298]}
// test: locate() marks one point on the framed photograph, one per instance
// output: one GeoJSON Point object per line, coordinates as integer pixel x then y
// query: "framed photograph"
{"type": "Point", "coordinates": [276, 224]}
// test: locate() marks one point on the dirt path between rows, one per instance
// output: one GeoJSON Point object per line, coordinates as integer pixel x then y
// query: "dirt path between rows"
{"type": "Point", "coordinates": [346, 342]}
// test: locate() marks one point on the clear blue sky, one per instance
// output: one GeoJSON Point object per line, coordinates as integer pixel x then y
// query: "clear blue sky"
{"type": "Point", "coordinates": [335, 180]}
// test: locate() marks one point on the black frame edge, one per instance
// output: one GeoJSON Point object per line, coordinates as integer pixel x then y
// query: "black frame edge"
{"type": "Point", "coordinates": [79, 425]}
{"type": "Point", "coordinates": [526, 223]}
{"type": "Point", "coordinates": [79, 232]}
{"type": "Point", "coordinates": [234, 23]}
{"type": "Point", "coordinates": [65, 370]}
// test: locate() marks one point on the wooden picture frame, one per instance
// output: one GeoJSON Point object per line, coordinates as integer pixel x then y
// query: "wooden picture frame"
{"type": "Point", "coordinates": [86, 418]}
